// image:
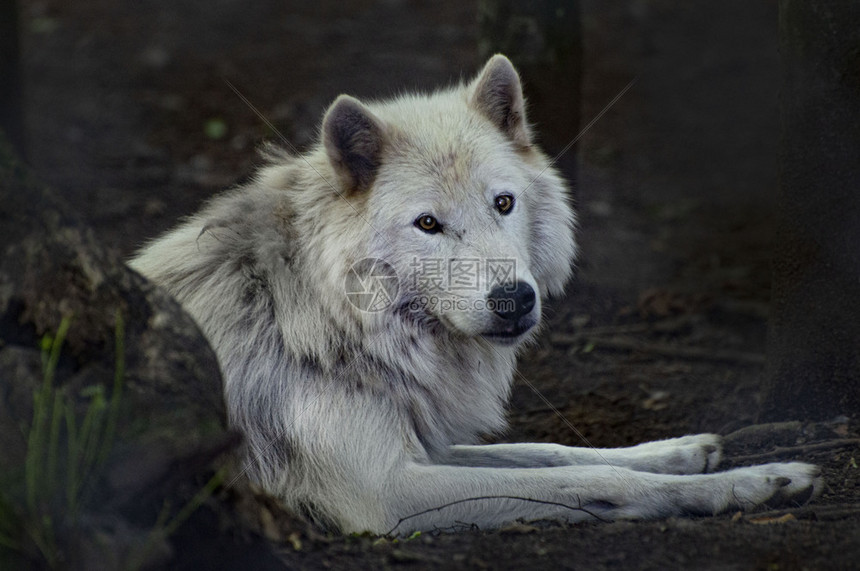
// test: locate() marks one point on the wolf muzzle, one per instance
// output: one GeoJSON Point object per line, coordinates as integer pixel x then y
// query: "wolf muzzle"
{"type": "Point", "coordinates": [512, 301]}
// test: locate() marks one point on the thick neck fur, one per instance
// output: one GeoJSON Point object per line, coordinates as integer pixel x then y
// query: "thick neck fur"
{"type": "Point", "coordinates": [238, 268]}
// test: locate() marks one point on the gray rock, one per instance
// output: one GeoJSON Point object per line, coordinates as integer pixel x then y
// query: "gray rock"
{"type": "Point", "coordinates": [172, 422]}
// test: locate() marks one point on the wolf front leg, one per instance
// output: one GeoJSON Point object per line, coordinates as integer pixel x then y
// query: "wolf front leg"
{"type": "Point", "coordinates": [692, 454]}
{"type": "Point", "coordinates": [430, 497]}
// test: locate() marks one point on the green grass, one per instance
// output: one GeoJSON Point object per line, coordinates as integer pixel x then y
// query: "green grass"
{"type": "Point", "coordinates": [63, 454]}
{"type": "Point", "coordinates": [64, 460]}
{"type": "Point", "coordinates": [166, 525]}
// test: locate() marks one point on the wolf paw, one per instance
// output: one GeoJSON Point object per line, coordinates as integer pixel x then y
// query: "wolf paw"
{"type": "Point", "coordinates": [773, 485]}
{"type": "Point", "coordinates": [693, 454]}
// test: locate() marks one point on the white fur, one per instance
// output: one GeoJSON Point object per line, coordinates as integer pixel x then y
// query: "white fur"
{"type": "Point", "coordinates": [369, 421]}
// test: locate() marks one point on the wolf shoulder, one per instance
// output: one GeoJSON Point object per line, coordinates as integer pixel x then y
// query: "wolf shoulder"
{"type": "Point", "coordinates": [246, 234]}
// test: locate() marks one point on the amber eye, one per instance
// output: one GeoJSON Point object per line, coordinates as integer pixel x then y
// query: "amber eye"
{"type": "Point", "coordinates": [504, 203]}
{"type": "Point", "coordinates": [428, 224]}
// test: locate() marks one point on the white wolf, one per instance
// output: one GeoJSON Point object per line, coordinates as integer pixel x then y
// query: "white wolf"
{"type": "Point", "coordinates": [364, 412]}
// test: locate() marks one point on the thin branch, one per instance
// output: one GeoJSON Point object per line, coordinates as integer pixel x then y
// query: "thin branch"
{"type": "Point", "coordinates": [662, 349]}
{"type": "Point", "coordinates": [669, 325]}
{"type": "Point", "coordinates": [500, 497]}
{"type": "Point", "coordinates": [797, 450]}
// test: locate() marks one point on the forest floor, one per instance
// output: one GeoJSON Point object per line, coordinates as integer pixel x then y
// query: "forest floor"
{"type": "Point", "coordinates": [661, 334]}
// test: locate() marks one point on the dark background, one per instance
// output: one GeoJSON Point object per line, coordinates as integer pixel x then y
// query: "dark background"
{"type": "Point", "coordinates": [129, 117]}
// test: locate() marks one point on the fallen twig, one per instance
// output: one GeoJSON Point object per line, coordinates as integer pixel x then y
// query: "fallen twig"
{"type": "Point", "coordinates": [761, 434]}
{"type": "Point", "coordinates": [663, 326]}
{"type": "Point", "coordinates": [810, 512]}
{"type": "Point", "coordinates": [797, 450]}
{"type": "Point", "coordinates": [661, 349]}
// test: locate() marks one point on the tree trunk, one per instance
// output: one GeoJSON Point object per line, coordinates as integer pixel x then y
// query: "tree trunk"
{"type": "Point", "coordinates": [814, 332]}
{"type": "Point", "coordinates": [11, 120]}
{"type": "Point", "coordinates": [544, 41]}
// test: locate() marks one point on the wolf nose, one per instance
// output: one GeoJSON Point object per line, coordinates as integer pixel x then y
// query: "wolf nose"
{"type": "Point", "coordinates": [512, 301]}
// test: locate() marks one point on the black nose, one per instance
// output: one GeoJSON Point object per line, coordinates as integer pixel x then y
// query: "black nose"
{"type": "Point", "coordinates": [512, 301]}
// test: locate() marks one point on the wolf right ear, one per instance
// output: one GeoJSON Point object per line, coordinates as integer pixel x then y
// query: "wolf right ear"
{"type": "Point", "coordinates": [498, 95]}
{"type": "Point", "coordinates": [353, 138]}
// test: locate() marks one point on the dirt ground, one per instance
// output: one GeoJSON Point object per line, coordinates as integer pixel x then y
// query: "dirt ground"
{"type": "Point", "coordinates": [661, 334]}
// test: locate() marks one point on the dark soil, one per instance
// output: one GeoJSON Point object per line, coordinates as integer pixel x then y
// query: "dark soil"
{"type": "Point", "coordinates": [661, 334]}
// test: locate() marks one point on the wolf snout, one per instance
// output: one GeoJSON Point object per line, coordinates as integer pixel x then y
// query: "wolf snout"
{"type": "Point", "coordinates": [512, 301]}
{"type": "Point", "coordinates": [513, 304]}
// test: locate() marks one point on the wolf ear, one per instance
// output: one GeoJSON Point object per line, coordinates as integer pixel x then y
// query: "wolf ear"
{"type": "Point", "coordinates": [498, 95]}
{"type": "Point", "coordinates": [353, 138]}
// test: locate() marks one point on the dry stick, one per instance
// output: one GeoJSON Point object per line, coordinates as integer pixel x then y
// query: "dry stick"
{"type": "Point", "coordinates": [662, 326]}
{"type": "Point", "coordinates": [763, 432]}
{"type": "Point", "coordinates": [818, 512]}
{"type": "Point", "coordinates": [502, 497]}
{"type": "Point", "coordinates": [664, 350]}
{"type": "Point", "coordinates": [780, 451]}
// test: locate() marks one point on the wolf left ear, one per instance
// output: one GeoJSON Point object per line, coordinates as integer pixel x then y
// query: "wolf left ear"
{"type": "Point", "coordinates": [498, 95]}
{"type": "Point", "coordinates": [353, 138]}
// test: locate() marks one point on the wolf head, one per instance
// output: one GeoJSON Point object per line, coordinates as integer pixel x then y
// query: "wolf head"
{"type": "Point", "coordinates": [455, 205]}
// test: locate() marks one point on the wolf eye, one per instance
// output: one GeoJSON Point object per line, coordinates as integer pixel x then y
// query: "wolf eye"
{"type": "Point", "coordinates": [504, 203]}
{"type": "Point", "coordinates": [427, 223]}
